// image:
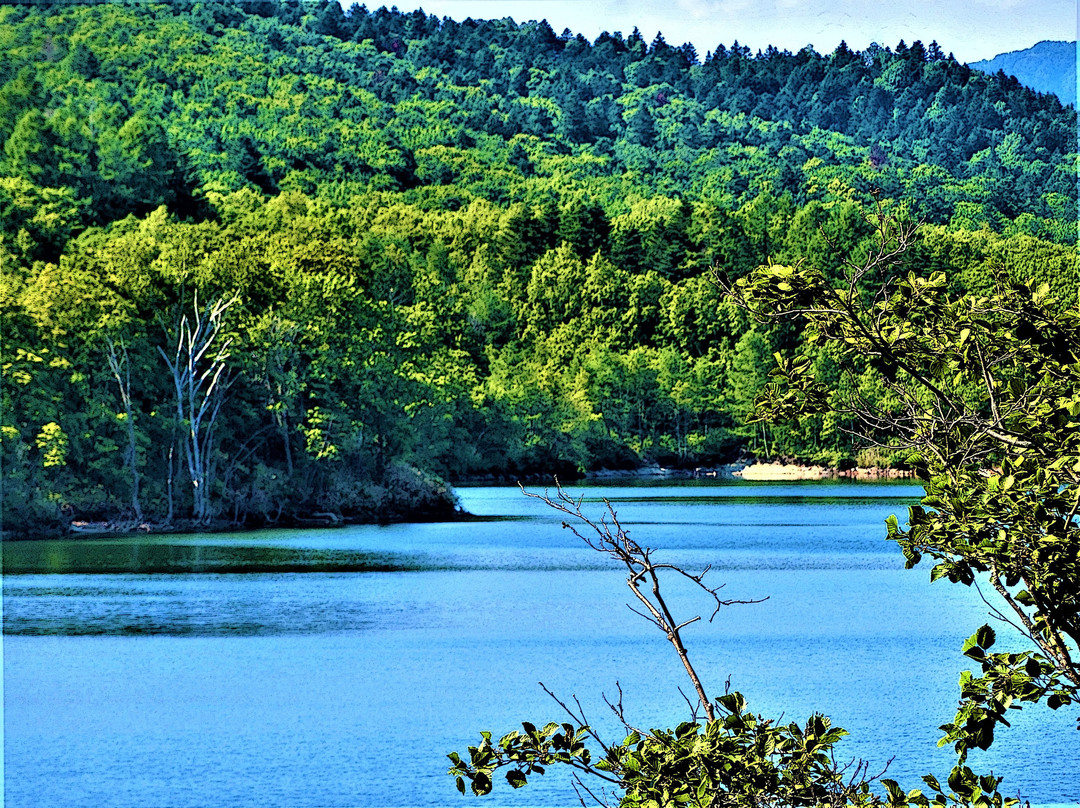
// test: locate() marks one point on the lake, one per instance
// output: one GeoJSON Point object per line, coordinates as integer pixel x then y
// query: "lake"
{"type": "Point", "coordinates": [331, 668]}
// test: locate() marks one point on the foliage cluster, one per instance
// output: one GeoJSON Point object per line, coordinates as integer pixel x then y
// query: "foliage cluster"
{"type": "Point", "coordinates": [983, 394]}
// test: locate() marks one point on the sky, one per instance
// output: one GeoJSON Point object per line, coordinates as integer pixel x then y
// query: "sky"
{"type": "Point", "coordinates": [970, 29]}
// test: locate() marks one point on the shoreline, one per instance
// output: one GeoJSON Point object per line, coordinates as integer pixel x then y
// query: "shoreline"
{"type": "Point", "coordinates": [751, 472]}
{"type": "Point", "coordinates": [780, 471]}
{"type": "Point", "coordinates": [90, 530]}
{"type": "Point", "coordinates": [739, 470]}
{"type": "Point", "coordinates": [758, 472]}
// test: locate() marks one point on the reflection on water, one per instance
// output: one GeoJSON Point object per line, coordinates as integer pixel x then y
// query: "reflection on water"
{"type": "Point", "coordinates": [155, 554]}
{"type": "Point", "coordinates": [336, 667]}
{"type": "Point", "coordinates": [180, 606]}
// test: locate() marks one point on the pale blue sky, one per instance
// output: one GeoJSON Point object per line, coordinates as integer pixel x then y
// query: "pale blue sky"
{"type": "Point", "coordinates": [971, 29]}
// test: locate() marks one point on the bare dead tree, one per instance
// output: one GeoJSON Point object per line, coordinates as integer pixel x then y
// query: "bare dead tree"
{"type": "Point", "coordinates": [120, 366]}
{"type": "Point", "coordinates": [199, 369]}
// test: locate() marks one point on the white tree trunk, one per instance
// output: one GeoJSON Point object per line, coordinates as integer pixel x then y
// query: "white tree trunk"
{"type": "Point", "coordinates": [121, 371]}
{"type": "Point", "coordinates": [200, 381]}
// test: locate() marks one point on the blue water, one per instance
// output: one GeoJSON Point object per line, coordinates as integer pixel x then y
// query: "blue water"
{"type": "Point", "coordinates": [330, 668]}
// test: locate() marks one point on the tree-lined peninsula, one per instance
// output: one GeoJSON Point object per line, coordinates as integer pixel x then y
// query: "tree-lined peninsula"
{"type": "Point", "coordinates": [269, 262]}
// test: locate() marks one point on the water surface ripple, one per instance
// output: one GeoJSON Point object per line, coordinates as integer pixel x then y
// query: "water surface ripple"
{"type": "Point", "coordinates": [333, 668]}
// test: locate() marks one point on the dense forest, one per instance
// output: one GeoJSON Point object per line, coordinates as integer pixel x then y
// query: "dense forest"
{"type": "Point", "coordinates": [273, 261]}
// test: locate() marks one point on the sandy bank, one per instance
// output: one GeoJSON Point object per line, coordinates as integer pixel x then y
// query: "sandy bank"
{"type": "Point", "coordinates": [782, 471]}
{"type": "Point", "coordinates": [755, 471]}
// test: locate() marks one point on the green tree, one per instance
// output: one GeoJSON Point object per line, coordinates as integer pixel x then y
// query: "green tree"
{"type": "Point", "coordinates": [981, 394]}
{"type": "Point", "coordinates": [748, 376]}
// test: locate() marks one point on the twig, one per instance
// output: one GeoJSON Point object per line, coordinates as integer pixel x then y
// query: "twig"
{"type": "Point", "coordinates": [609, 537]}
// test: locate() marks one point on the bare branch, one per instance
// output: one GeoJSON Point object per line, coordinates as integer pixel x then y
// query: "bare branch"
{"type": "Point", "coordinates": [609, 537]}
{"type": "Point", "coordinates": [579, 717]}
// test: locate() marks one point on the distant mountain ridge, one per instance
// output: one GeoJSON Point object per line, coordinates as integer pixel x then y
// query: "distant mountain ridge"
{"type": "Point", "coordinates": [1048, 67]}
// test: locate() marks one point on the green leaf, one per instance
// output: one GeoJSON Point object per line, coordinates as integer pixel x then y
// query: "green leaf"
{"type": "Point", "coordinates": [971, 650]}
{"type": "Point", "coordinates": [481, 784]}
{"type": "Point", "coordinates": [516, 778]}
{"type": "Point", "coordinates": [896, 794]}
{"type": "Point", "coordinates": [985, 636]}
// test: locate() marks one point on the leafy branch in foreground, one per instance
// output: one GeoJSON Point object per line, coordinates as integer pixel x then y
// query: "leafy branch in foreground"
{"type": "Point", "coordinates": [725, 757]}
{"type": "Point", "coordinates": [983, 393]}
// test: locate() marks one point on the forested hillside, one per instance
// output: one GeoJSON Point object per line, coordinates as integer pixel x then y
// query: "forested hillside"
{"type": "Point", "coordinates": [1049, 67]}
{"type": "Point", "coordinates": [272, 259]}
